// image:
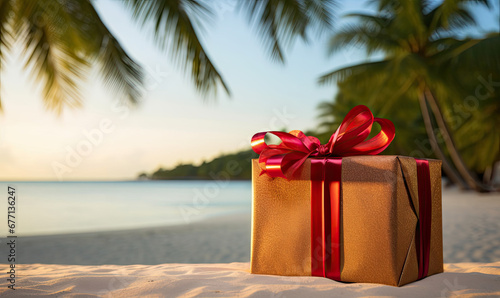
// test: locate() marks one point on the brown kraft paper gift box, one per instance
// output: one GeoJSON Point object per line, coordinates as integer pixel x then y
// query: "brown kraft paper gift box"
{"type": "Point", "coordinates": [379, 210]}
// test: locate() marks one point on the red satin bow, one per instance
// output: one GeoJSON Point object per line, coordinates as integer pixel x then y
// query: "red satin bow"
{"type": "Point", "coordinates": [284, 159]}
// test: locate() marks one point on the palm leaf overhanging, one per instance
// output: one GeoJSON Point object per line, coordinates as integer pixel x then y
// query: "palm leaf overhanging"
{"type": "Point", "coordinates": [426, 63]}
{"type": "Point", "coordinates": [173, 27]}
{"type": "Point", "coordinates": [280, 22]}
{"type": "Point", "coordinates": [62, 40]}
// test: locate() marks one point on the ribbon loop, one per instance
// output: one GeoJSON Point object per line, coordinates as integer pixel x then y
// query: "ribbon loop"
{"type": "Point", "coordinates": [284, 159]}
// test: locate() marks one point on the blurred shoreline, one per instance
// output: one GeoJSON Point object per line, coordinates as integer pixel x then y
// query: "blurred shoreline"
{"type": "Point", "coordinates": [216, 240]}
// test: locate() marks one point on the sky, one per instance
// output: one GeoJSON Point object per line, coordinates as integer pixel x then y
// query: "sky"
{"type": "Point", "coordinates": [107, 140]}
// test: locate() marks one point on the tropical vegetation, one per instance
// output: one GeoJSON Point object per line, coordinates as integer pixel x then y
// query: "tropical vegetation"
{"type": "Point", "coordinates": [431, 77]}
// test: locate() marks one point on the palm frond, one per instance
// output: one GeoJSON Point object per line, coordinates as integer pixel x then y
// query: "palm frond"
{"type": "Point", "coordinates": [51, 60]}
{"type": "Point", "coordinates": [450, 9]}
{"type": "Point", "coordinates": [280, 22]}
{"type": "Point", "coordinates": [385, 4]}
{"type": "Point", "coordinates": [410, 20]}
{"type": "Point", "coordinates": [56, 68]}
{"type": "Point", "coordinates": [362, 35]}
{"type": "Point", "coordinates": [404, 21]}
{"type": "Point", "coordinates": [62, 39]}
{"type": "Point", "coordinates": [320, 14]}
{"type": "Point", "coordinates": [5, 18]}
{"type": "Point", "coordinates": [378, 22]}
{"type": "Point", "coordinates": [444, 18]}
{"type": "Point", "coordinates": [120, 73]}
{"type": "Point", "coordinates": [462, 18]}
{"type": "Point", "coordinates": [5, 34]}
{"type": "Point", "coordinates": [339, 75]}
{"type": "Point", "coordinates": [479, 136]}
{"type": "Point", "coordinates": [173, 26]}
{"type": "Point", "coordinates": [472, 54]}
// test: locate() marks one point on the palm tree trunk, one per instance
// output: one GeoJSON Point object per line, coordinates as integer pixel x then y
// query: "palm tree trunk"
{"type": "Point", "coordinates": [488, 174]}
{"type": "Point", "coordinates": [459, 163]}
{"type": "Point", "coordinates": [448, 169]}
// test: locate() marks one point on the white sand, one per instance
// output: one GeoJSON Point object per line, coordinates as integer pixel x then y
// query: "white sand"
{"type": "Point", "coordinates": [233, 280]}
{"type": "Point", "coordinates": [471, 226]}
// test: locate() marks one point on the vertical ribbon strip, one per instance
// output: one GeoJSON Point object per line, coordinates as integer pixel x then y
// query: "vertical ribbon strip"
{"type": "Point", "coordinates": [317, 218]}
{"type": "Point", "coordinates": [424, 217]}
{"type": "Point", "coordinates": [325, 217]}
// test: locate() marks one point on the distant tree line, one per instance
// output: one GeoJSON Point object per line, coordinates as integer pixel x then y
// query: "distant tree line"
{"type": "Point", "coordinates": [235, 166]}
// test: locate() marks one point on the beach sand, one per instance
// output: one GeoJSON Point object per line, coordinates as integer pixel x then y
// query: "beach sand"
{"type": "Point", "coordinates": [155, 261]}
{"type": "Point", "coordinates": [234, 280]}
{"type": "Point", "coordinates": [471, 226]}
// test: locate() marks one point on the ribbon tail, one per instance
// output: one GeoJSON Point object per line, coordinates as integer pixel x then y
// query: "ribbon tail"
{"type": "Point", "coordinates": [425, 217]}
{"type": "Point", "coordinates": [325, 217]}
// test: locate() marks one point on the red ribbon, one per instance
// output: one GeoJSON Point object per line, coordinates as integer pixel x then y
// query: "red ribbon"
{"type": "Point", "coordinates": [423, 239]}
{"type": "Point", "coordinates": [325, 217]}
{"type": "Point", "coordinates": [349, 139]}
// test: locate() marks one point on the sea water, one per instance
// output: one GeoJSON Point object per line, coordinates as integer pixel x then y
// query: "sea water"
{"type": "Point", "coordinates": [44, 208]}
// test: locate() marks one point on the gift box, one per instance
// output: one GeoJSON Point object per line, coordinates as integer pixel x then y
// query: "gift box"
{"type": "Point", "coordinates": [334, 211]}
